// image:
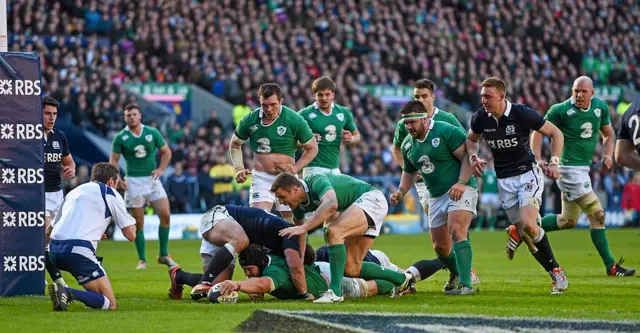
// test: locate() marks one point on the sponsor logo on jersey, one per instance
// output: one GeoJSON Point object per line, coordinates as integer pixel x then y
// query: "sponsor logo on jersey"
{"type": "Point", "coordinates": [489, 129]}
{"type": "Point", "coordinates": [21, 131]}
{"type": "Point", "coordinates": [435, 142]}
{"type": "Point", "coordinates": [340, 116]}
{"type": "Point", "coordinates": [598, 112]}
{"type": "Point", "coordinates": [21, 176]}
{"type": "Point", "coordinates": [408, 145]}
{"type": "Point", "coordinates": [55, 145]}
{"type": "Point", "coordinates": [510, 130]}
{"type": "Point", "coordinates": [313, 116]}
{"type": "Point", "coordinates": [253, 128]}
{"type": "Point", "coordinates": [571, 112]}
{"type": "Point", "coordinates": [255, 195]}
{"type": "Point", "coordinates": [22, 219]}
{"type": "Point", "coordinates": [23, 263]}
{"type": "Point", "coordinates": [503, 143]}
{"type": "Point", "coordinates": [282, 130]}
{"type": "Point", "coordinates": [124, 138]}
{"type": "Point", "coordinates": [586, 185]}
{"type": "Point", "coordinates": [52, 157]}
{"type": "Point", "coordinates": [20, 87]}
{"type": "Point", "coordinates": [148, 137]}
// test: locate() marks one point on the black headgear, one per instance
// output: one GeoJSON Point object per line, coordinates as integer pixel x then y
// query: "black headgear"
{"type": "Point", "coordinates": [256, 255]}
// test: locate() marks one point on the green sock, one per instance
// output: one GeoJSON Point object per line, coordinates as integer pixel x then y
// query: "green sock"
{"type": "Point", "coordinates": [599, 239]}
{"type": "Point", "coordinates": [451, 262]}
{"type": "Point", "coordinates": [550, 223]}
{"type": "Point", "coordinates": [464, 255]}
{"type": "Point", "coordinates": [140, 246]}
{"type": "Point", "coordinates": [384, 287]}
{"type": "Point", "coordinates": [492, 221]}
{"type": "Point", "coordinates": [163, 236]}
{"type": "Point", "coordinates": [371, 271]}
{"type": "Point", "coordinates": [480, 223]}
{"type": "Point", "coordinates": [337, 259]}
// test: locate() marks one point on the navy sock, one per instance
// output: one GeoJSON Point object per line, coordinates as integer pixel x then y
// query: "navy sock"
{"type": "Point", "coordinates": [544, 255]}
{"type": "Point", "coordinates": [190, 279]}
{"type": "Point", "coordinates": [89, 298]}
{"type": "Point", "coordinates": [54, 273]}
{"type": "Point", "coordinates": [220, 261]}
{"type": "Point", "coordinates": [426, 268]}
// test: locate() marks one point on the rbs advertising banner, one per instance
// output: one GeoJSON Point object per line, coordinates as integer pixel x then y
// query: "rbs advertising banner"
{"type": "Point", "coordinates": [21, 176]}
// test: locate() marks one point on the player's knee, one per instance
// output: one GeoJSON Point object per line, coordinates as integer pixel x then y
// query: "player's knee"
{"type": "Point", "coordinates": [567, 222]}
{"type": "Point", "coordinates": [352, 268]}
{"type": "Point", "coordinates": [442, 250]}
{"type": "Point", "coordinates": [597, 219]}
{"type": "Point", "coordinates": [334, 234]}
{"type": "Point", "coordinates": [240, 242]}
{"type": "Point", "coordinates": [531, 230]}
{"type": "Point", "coordinates": [458, 235]}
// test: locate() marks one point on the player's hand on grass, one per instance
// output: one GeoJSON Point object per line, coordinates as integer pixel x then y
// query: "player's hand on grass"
{"type": "Point", "coordinates": [241, 175]}
{"type": "Point", "coordinates": [396, 197]}
{"type": "Point", "coordinates": [156, 174]}
{"type": "Point", "coordinates": [607, 162]}
{"type": "Point", "coordinates": [290, 168]}
{"type": "Point", "coordinates": [229, 286]}
{"type": "Point", "coordinates": [477, 165]}
{"type": "Point", "coordinates": [293, 231]}
{"type": "Point", "coordinates": [68, 171]}
{"type": "Point", "coordinates": [456, 191]}
{"type": "Point", "coordinates": [347, 137]}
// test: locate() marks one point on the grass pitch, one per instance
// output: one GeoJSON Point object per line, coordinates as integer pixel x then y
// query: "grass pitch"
{"type": "Point", "coordinates": [509, 288]}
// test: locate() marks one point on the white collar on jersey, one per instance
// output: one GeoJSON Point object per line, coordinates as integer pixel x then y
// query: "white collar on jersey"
{"type": "Point", "coordinates": [315, 106]}
{"type": "Point", "coordinates": [507, 111]}
{"type": "Point", "coordinates": [431, 124]}
{"type": "Point", "coordinates": [573, 102]}
{"type": "Point", "coordinates": [141, 129]}
{"type": "Point", "coordinates": [435, 111]}
{"type": "Point", "coordinates": [306, 190]}
{"type": "Point", "coordinates": [262, 113]}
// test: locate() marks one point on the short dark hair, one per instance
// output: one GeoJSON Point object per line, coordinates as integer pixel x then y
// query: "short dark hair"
{"type": "Point", "coordinates": [285, 180]}
{"type": "Point", "coordinates": [425, 84]}
{"type": "Point", "coordinates": [495, 82]}
{"type": "Point", "coordinates": [129, 107]}
{"type": "Point", "coordinates": [321, 83]}
{"type": "Point", "coordinates": [269, 89]}
{"type": "Point", "coordinates": [413, 107]}
{"type": "Point", "coordinates": [103, 172]}
{"type": "Point", "coordinates": [48, 100]}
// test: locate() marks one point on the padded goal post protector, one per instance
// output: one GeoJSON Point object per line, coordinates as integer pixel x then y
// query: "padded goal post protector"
{"type": "Point", "coordinates": [22, 198]}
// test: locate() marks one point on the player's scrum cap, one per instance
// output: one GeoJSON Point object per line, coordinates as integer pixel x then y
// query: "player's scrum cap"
{"type": "Point", "coordinates": [256, 255]}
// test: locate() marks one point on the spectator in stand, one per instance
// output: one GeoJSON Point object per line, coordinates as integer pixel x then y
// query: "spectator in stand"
{"type": "Point", "coordinates": [223, 175]}
{"type": "Point", "coordinates": [177, 188]}
{"type": "Point", "coordinates": [631, 200]}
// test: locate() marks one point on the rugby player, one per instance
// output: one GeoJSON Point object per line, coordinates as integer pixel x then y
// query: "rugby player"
{"type": "Point", "coordinates": [84, 216]}
{"type": "Point", "coordinates": [437, 151]}
{"type": "Point", "coordinates": [506, 128]}
{"type": "Point", "coordinates": [58, 163]}
{"type": "Point", "coordinates": [228, 230]}
{"type": "Point", "coordinates": [273, 131]}
{"type": "Point", "coordinates": [137, 143]}
{"type": "Point", "coordinates": [332, 124]}
{"type": "Point", "coordinates": [628, 143]}
{"type": "Point", "coordinates": [355, 211]}
{"type": "Point", "coordinates": [580, 118]}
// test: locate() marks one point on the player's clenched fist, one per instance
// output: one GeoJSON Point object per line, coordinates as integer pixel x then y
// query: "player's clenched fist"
{"type": "Point", "coordinates": [241, 175]}
{"type": "Point", "coordinates": [396, 197]}
{"type": "Point", "coordinates": [477, 164]}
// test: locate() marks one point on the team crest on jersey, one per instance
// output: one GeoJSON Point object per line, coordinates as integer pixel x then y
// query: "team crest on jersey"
{"type": "Point", "coordinates": [598, 112]}
{"type": "Point", "coordinates": [340, 116]}
{"type": "Point", "coordinates": [282, 130]}
{"type": "Point", "coordinates": [124, 138]}
{"type": "Point", "coordinates": [313, 116]}
{"type": "Point", "coordinates": [510, 130]}
{"type": "Point", "coordinates": [148, 137]}
{"type": "Point", "coordinates": [435, 142]}
{"type": "Point", "coordinates": [253, 128]}
{"type": "Point", "coordinates": [55, 145]}
{"type": "Point", "coordinates": [528, 187]}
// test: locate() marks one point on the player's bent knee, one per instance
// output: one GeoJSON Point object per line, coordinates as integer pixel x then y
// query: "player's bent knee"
{"type": "Point", "coordinates": [597, 219]}
{"type": "Point", "coordinates": [334, 234]}
{"type": "Point", "coordinates": [352, 269]}
{"type": "Point", "coordinates": [240, 242]}
{"type": "Point", "coordinates": [442, 250]}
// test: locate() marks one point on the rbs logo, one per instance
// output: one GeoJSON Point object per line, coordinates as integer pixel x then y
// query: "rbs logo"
{"type": "Point", "coordinates": [503, 143]}
{"type": "Point", "coordinates": [22, 219]}
{"type": "Point", "coordinates": [23, 263]}
{"type": "Point", "coordinates": [20, 87]}
{"type": "Point", "coordinates": [21, 176]}
{"type": "Point", "coordinates": [21, 131]}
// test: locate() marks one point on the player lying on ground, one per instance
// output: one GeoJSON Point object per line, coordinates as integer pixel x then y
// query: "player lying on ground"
{"type": "Point", "coordinates": [506, 128]}
{"type": "Point", "coordinates": [228, 230]}
{"type": "Point", "coordinates": [362, 209]}
{"type": "Point", "coordinates": [437, 151]}
{"type": "Point", "coordinates": [580, 119]}
{"type": "Point", "coordinates": [268, 273]}
{"type": "Point", "coordinates": [421, 270]}
{"type": "Point", "coordinates": [84, 216]}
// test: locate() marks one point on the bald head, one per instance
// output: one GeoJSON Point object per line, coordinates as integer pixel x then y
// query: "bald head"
{"type": "Point", "coordinates": [582, 92]}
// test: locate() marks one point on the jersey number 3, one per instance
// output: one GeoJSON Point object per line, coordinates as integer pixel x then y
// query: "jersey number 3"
{"type": "Point", "coordinates": [264, 145]}
{"type": "Point", "coordinates": [587, 130]}
{"type": "Point", "coordinates": [425, 164]}
{"type": "Point", "coordinates": [140, 151]}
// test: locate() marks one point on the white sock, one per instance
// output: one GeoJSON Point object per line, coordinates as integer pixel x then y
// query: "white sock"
{"type": "Point", "coordinates": [231, 249]}
{"type": "Point", "coordinates": [106, 304]}
{"type": "Point", "coordinates": [416, 274]}
{"type": "Point", "coordinates": [539, 237]}
{"type": "Point", "coordinates": [60, 281]}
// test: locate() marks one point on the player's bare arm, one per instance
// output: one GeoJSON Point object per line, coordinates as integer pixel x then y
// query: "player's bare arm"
{"type": "Point", "coordinates": [68, 167]}
{"type": "Point", "coordinates": [472, 146]}
{"type": "Point", "coordinates": [303, 237]}
{"type": "Point", "coordinates": [165, 159]}
{"type": "Point", "coordinates": [114, 158]}
{"type": "Point", "coordinates": [254, 285]}
{"type": "Point", "coordinates": [557, 142]}
{"type": "Point", "coordinates": [457, 190]}
{"type": "Point", "coordinates": [396, 152]}
{"type": "Point", "coordinates": [626, 154]}
{"type": "Point", "coordinates": [328, 206]}
{"type": "Point", "coordinates": [608, 139]}
{"type": "Point", "coordinates": [310, 151]}
{"type": "Point", "coordinates": [406, 182]}
{"type": "Point", "coordinates": [352, 138]}
{"type": "Point", "coordinates": [296, 270]}
{"type": "Point", "coordinates": [235, 153]}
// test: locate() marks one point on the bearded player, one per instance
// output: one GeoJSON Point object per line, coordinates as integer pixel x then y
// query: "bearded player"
{"type": "Point", "coordinates": [580, 119]}
{"type": "Point", "coordinates": [437, 150]}
{"type": "Point", "coordinates": [273, 131]}
{"type": "Point", "coordinates": [331, 124]}
{"type": "Point", "coordinates": [138, 143]}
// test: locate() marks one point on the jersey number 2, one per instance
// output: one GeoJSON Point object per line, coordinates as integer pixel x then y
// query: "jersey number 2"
{"type": "Point", "coordinates": [634, 122]}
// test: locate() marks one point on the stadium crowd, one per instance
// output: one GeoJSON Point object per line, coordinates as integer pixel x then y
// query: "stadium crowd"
{"type": "Point", "coordinates": [231, 47]}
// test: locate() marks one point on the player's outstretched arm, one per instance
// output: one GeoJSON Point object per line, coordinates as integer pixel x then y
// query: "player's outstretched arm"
{"type": "Point", "coordinates": [626, 154]}
{"type": "Point", "coordinates": [296, 270]}
{"type": "Point", "coordinates": [608, 139]}
{"type": "Point", "coordinates": [328, 206]}
{"type": "Point", "coordinates": [254, 285]}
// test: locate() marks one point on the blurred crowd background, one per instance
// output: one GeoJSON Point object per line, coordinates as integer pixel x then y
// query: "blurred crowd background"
{"type": "Point", "coordinates": [89, 49]}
